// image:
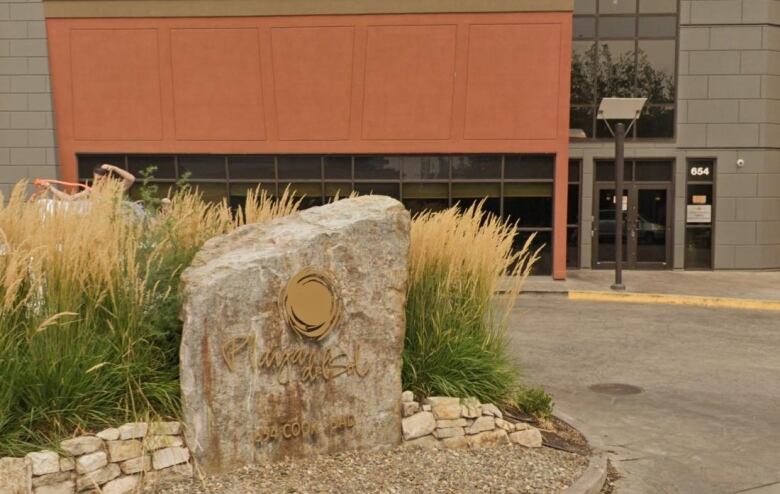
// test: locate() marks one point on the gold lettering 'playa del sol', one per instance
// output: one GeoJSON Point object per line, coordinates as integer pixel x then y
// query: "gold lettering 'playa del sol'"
{"type": "Point", "coordinates": [294, 362]}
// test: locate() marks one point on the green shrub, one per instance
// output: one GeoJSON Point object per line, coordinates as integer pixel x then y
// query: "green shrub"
{"type": "Point", "coordinates": [536, 402]}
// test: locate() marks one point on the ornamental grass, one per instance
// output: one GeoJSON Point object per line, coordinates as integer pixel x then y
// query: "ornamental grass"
{"type": "Point", "coordinates": [455, 325]}
{"type": "Point", "coordinates": [89, 305]}
{"type": "Point", "coordinates": [89, 302]}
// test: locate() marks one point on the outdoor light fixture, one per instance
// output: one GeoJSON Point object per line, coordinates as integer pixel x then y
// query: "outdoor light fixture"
{"type": "Point", "coordinates": [620, 109]}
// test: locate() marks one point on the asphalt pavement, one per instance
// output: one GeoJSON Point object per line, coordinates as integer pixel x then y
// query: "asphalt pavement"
{"type": "Point", "coordinates": [686, 399]}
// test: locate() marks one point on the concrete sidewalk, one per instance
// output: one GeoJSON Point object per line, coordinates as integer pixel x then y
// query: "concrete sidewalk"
{"type": "Point", "coordinates": [750, 285]}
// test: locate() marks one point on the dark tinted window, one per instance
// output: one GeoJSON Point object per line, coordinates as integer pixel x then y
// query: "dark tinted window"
{"type": "Point", "coordinates": [372, 167]}
{"type": "Point", "coordinates": [544, 240]}
{"type": "Point", "coordinates": [529, 167]}
{"type": "Point", "coordinates": [573, 248]}
{"type": "Point", "coordinates": [573, 205]}
{"type": "Point", "coordinates": [299, 167]}
{"type": "Point", "coordinates": [657, 62]}
{"type": "Point", "coordinates": [425, 167]}
{"type": "Point", "coordinates": [582, 118]}
{"type": "Point", "coordinates": [532, 212]}
{"type": "Point", "coordinates": [202, 166]}
{"type": "Point", "coordinates": [476, 167]}
{"type": "Point", "coordinates": [616, 70]}
{"type": "Point", "coordinates": [338, 167]}
{"type": "Point", "coordinates": [656, 122]}
{"type": "Point", "coordinates": [518, 186]}
{"type": "Point", "coordinates": [698, 248]}
{"type": "Point", "coordinates": [583, 72]}
{"type": "Point", "coordinates": [163, 166]}
{"type": "Point", "coordinates": [605, 171]}
{"type": "Point", "coordinates": [654, 171]}
{"type": "Point", "coordinates": [574, 170]}
{"type": "Point", "coordinates": [251, 167]}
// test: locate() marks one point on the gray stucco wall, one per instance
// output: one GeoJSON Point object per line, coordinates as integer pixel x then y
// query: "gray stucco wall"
{"type": "Point", "coordinates": [728, 109]}
{"type": "Point", "coordinates": [27, 148]}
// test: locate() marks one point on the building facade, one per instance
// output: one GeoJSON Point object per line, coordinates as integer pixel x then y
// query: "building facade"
{"type": "Point", "coordinates": [432, 102]}
{"type": "Point", "coordinates": [703, 173]}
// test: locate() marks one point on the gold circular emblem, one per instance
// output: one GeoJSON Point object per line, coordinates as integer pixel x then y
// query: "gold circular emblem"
{"type": "Point", "coordinates": [310, 303]}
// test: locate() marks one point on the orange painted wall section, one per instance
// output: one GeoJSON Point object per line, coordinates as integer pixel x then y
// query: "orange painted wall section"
{"type": "Point", "coordinates": [422, 83]}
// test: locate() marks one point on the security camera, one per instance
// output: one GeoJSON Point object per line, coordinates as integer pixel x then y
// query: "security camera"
{"type": "Point", "coordinates": [740, 163]}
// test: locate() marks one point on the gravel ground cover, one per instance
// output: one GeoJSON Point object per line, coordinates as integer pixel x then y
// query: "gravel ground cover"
{"type": "Point", "coordinates": [507, 469]}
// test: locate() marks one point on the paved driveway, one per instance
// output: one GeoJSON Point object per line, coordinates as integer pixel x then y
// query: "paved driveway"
{"type": "Point", "coordinates": [708, 418]}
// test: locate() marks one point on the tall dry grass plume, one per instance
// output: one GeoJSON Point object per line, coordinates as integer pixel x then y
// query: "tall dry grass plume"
{"type": "Point", "coordinates": [89, 333]}
{"type": "Point", "coordinates": [455, 339]}
{"type": "Point", "coordinates": [260, 207]}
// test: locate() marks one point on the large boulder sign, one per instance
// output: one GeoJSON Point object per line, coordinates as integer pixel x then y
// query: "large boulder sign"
{"type": "Point", "coordinates": [293, 333]}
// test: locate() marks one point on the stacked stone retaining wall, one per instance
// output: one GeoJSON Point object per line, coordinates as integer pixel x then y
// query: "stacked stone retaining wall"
{"type": "Point", "coordinates": [114, 461]}
{"type": "Point", "coordinates": [125, 459]}
{"type": "Point", "coordinates": [454, 423]}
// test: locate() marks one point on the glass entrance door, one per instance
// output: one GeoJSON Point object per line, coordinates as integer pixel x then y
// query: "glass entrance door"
{"type": "Point", "coordinates": [646, 227]}
{"type": "Point", "coordinates": [605, 234]}
{"type": "Point", "coordinates": [650, 228]}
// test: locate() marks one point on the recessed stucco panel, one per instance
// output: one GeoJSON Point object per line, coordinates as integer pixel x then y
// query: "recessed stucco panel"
{"type": "Point", "coordinates": [115, 84]}
{"type": "Point", "coordinates": [313, 81]}
{"type": "Point", "coordinates": [513, 81]}
{"type": "Point", "coordinates": [216, 84]}
{"type": "Point", "coordinates": [409, 82]}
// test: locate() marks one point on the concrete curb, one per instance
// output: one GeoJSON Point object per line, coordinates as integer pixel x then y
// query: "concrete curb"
{"type": "Point", "coordinates": [666, 299]}
{"type": "Point", "coordinates": [593, 479]}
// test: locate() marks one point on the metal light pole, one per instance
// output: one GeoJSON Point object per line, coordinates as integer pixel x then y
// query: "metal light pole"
{"type": "Point", "coordinates": [620, 136]}
{"type": "Point", "coordinates": [620, 109]}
